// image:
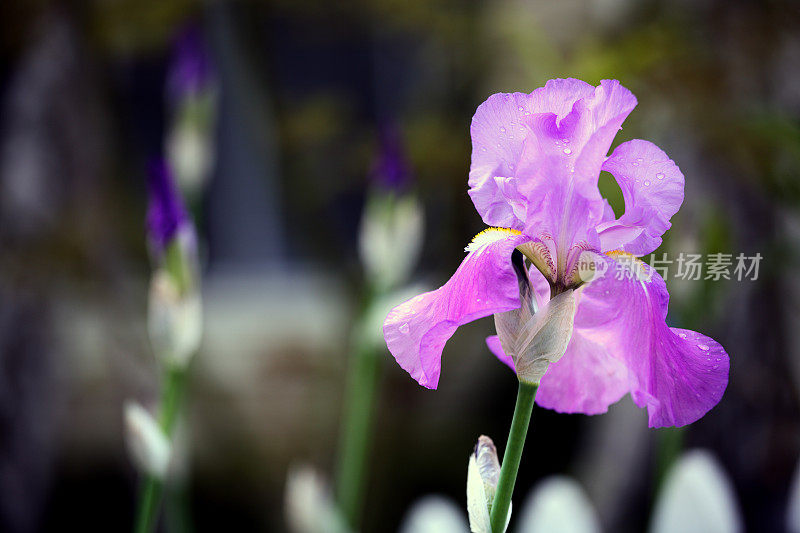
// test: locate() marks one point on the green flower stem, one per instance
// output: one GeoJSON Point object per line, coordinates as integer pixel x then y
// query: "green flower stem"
{"type": "Point", "coordinates": [150, 495]}
{"type": "Point", "coordinates": [363, 373]}
{"type": "Point", "coordinates": [511, 458]}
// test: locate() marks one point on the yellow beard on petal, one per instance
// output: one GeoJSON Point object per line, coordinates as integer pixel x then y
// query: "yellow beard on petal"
{"type": "Point", "coordinates": [488, 236]}
{"type": "Point", "coordinates": [634, 267]}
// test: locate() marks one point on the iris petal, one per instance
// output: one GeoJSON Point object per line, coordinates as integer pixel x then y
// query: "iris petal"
{"type": "Point", "coordinates": [652, 187]}
{"type": "Point", "coordinates": [485, 283]}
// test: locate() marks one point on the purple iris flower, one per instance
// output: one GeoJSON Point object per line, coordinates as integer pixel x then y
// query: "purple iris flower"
{"type": "Point", "coordinates": [536, 160]}
{"type": "Point", "coordinates": [191, 70]}
{"type": "Point", "coordinates": [166, 214]}
{"type": "Point", "coordinates": [390, 170]}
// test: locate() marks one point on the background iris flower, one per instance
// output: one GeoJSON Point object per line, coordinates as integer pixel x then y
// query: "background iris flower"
{"type": "Point", "coordinates": [536, 161]}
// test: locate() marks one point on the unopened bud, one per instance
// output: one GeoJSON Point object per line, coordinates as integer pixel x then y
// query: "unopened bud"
{"type": "Point", "coordinates": [483, 473]}
{"type": "Point", "coordinates": [390, 238]}
{"type": "Point", "coordinates": [174, 320]}
{"type": "Point", "coordinates": [148, 446]}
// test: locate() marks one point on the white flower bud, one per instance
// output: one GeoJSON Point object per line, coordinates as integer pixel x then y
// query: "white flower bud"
{"type": "Point", "coordinates": [697, 497]}
{"type": "Point", "coordinates": [174, 320]}
{"type": "Point", "coordinates": [390, 238]}
{"type": "Point", "coordinates": [558, 505]}
{"type": "Point", "coordinates": [483, 474]}
{"type": "Point", "coordinates": [434, 514]}
{"type": "Point", "coordinates": [309, 504]}
{"type": "Point", "coordinates": [149, 447]}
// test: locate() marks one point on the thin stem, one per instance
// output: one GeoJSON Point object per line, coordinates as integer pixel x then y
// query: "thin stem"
{"type": "Point", "coordinates": [150, 495]}
{"type": "Point", "coordinates": [511, 458]}
{"type": "Point", "coordinates": [356, 431]}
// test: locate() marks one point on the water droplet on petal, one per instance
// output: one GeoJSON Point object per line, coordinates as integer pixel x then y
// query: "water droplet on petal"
{"type": "Point", "coordinates": [404, 329]}
{"type": "Point", "coordinates": [682, 335]}
{"type": "Point", "coordinates": [660, 175]}
{"type": "Point", "coordinates": [521, 108]}
{"type": "Point", "coordinates": [567, 151]}
{"type": "Point", "coordinates": [703, 347]}
{"type": "Point", "coordinates": [646, 183]}
{"type": "Point", "coordinates": [565, 141]}
{"type": "Point", "coordinates": [635, 164]}
{"type": "Point", "coordinates": [502, 129]}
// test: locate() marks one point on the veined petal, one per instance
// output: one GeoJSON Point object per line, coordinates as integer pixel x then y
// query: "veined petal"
{"type": "Point", "coordinates": [484, 284]}
{"type": "Point", "coordinates": [652, 186]}
{"type": "Point", "coordinates": [679, 375]}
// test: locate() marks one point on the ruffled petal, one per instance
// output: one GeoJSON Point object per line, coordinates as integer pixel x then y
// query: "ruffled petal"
{"type": "Point", "coordinates": [498, 134]}
{"type": "Point", "coordinates": [561, 161]}
{"type": "Point", "coordinates": [484, 284]}
{"type": "Point", "coordinates": [652, 186]}
{"type": "Point", "coordinates": [679, 375]}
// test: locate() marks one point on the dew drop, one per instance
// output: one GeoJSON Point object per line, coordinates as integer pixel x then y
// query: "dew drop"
{"type": "Point", "coordinates": [521, 108]}
{"type": "Point", "coordinates": [635, 164]}
{"type": "Point", "coordinates": [682, 335]}
{"type": "Point", "coordinates": [567, 151]}
{"type": "Point", "coordinates": [404, 329]}
{"type": "Point", "coordinates": [565, 141]}
{"type": "Point", "coordinates": [660, 175]}
{"type": "Point", "coordinates": [502, 129]}
{"type": "Point", "coordinates": [646, 183]}
{"type": "Point", "coordinates": [703, 347]}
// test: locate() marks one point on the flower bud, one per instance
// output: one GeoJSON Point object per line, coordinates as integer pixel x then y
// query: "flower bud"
{"type": "Point", "coordinates": [483, 473]}
{"type": "Point", "coordinates": [390, 238]}
{"type": "Point", "coordinates": [534, 339]}
{"type": "Point", "coordinates": [434, 514]}
{"type": "Point", "coordinates": [310, 507]}
{"type": "Point", "coordinates": [174, 320]}
{"type": "Point", "coordinates": [148, 446]}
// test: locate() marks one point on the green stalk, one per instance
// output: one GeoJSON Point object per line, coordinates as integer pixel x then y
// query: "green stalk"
{"type": "Point", "coordinates": [150, 495]}
{"type": "Point", "coordinates": [511, 458]}
{"type": "Point", "coordinates": [355, 438]}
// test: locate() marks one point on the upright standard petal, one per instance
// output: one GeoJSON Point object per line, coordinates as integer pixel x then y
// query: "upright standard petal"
{"type": "Point", "coordinates": [678, 375]}
{"type": "Point", "coordinates": [652, 187]}
{"type": "Point", "coordinates": [499, 132]}
{"type": "Point", "coordinates": [484, 284]}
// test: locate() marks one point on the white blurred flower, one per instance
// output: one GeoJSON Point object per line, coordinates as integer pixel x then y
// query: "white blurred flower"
{"type": "Point", "coordinates": [390, 238]}
{"type": "Point", "coordinates": [310, 507]}
{"type": "Point", "coordinates": [697, 497]}
{"type": "Point", "coordinates": [174, 320]}
{"type": "Point", "coordinates": [558, 505]}
{"type": "Point", "coordinates": [434, 514]}
{"type": "Point", "coordinates": [148, 446]}
{"type": "Point", "coordinates": [483, 473]}
{"type": "Point", "coordinates": [793, 510]}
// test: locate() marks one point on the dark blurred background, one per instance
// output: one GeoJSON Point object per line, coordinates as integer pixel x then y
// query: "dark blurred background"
{"type": "Point", "coordinates": [304, 88]}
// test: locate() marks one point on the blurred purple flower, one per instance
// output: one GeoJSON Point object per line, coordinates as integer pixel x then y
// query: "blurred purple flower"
{"type": "Point", "coordinates": [191, 70]}
{"type": "Point", "coordinates": [536, 161]}
{"type": "Point", "coordinates": [391, 171]}
{"type": "Point", "coordinates": [166, 214]}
